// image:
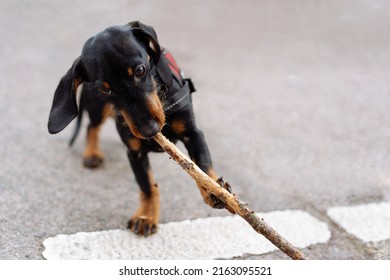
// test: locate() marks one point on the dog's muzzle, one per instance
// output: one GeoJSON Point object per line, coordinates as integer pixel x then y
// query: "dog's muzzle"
{"type": "Point", "coordinates": [149, 127]}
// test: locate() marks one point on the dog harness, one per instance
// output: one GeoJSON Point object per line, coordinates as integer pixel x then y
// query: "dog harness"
{"type": "Point", "coordinates": [176, 88]}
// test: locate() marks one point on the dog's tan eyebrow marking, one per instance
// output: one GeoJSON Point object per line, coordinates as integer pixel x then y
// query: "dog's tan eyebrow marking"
{"type": "Point", "coordinates": [130, 71]}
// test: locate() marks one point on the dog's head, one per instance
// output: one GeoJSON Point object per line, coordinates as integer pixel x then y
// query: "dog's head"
{"type": "Point", "coordinates": [119, 63]}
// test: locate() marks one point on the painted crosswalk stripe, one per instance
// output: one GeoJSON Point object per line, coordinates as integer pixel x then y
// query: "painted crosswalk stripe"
{"type": "Point", "coordinates": [368, 222]}
{"type": "Point", "coordinates": [209, 238]}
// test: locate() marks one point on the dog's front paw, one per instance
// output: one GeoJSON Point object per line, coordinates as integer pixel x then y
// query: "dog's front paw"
{"type": "Point", "coordinates": [142, 225]}
{"type": "Point", "coordinates": [145, 220]}
{"type": "Point", "coordinates": [214, 201]}
{"type": "Point", "coordinates": [93, 161]}
{"type": "Point", "coordinates": [224, 185]}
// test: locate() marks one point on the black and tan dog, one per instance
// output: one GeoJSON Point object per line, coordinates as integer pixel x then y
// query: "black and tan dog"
{"type": "Point", "coordinates": [125, 72]}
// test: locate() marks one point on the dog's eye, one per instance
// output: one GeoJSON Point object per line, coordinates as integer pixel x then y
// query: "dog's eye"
{"type": "Point", "coordinates": [140, 70]}
{"type": "Point", "coordinates": [102, 89]}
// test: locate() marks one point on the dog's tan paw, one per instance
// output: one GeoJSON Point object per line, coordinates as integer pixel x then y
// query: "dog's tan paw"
{"type": "Point", "coordinates": [214, 201]}
{"type": "Point", "coordinates": [145, 220]}
{"type": "Point", "coordinates": [93, 161]}
{"type": "Point", "coordinates": [142, 225]}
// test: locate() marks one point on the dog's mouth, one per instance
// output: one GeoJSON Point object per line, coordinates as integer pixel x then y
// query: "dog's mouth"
{"type": "Point", "coordinates": [146, 124]}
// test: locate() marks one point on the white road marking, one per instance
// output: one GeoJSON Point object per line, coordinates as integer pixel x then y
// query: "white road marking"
{"type": "Point", "coordinates": [210, 238]}
{"type": "Point", "coordinates": [368, 222]}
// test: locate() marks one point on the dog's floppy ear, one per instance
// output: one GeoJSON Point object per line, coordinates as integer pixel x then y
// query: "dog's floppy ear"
{"type": "Point", "coordinates": [147, 35]}
{"type": "Point", "coordinates": [64, 107]}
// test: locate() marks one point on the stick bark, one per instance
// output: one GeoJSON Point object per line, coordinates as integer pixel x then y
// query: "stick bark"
{"type": "Point", "coordinates": [231, 201]}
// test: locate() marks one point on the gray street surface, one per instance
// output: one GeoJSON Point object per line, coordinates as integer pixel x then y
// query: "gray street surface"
{"type": "Point", "coordinates": [293, 98]}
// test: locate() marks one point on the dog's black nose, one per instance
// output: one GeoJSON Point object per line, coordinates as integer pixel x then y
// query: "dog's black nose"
{"type": "Point", "coordinates": [150, 129]}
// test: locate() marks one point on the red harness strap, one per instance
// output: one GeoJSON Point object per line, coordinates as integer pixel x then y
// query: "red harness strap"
{"type": "Point", "coordinates": [178, 96]}
{"type": "Point", "coordinates": [172, 64]}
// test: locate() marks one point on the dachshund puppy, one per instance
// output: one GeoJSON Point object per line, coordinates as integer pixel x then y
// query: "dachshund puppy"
{"type": "Point", "coordinates": [124, 70]}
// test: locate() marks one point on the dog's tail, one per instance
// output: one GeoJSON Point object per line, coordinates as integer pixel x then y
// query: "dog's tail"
{"type": "Point", "coordinates": [78, 123]}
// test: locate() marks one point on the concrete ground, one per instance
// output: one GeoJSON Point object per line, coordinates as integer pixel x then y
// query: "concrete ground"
{"type": "Point", "coordinates": [293, 97]}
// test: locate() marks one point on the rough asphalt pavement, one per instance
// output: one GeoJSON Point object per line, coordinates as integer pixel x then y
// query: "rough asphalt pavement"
{"type": "Point", "coordinates": [293, 97]}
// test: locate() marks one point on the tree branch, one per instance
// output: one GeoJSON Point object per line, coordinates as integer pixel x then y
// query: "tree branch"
{"type": "Point", "coordinates": [229, 199]}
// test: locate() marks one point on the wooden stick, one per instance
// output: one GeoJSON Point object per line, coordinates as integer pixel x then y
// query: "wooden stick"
{"type": "Point", "coordinates": [229, 199]}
